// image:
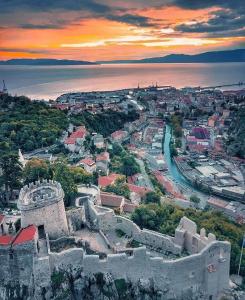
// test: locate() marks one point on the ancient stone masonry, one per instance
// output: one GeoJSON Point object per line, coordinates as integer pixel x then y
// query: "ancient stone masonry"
{"type": "Point", "coordinates": [89, 252]}
{"type": "Point", "coordinates": [42, 204]}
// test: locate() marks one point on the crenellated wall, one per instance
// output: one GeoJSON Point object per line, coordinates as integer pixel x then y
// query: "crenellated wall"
{"type": "Point", "coordinates": [205, 273]}
{"type": "Point", "coordinates": [42, 204]}
{"type": "Point", "coordinates": [26, 269]}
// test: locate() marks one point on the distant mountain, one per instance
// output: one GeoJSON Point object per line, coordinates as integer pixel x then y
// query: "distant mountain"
{"type": "Point", "coordinates": [45, 62]}
{"type": "Point", "coordinates": [207, 57]}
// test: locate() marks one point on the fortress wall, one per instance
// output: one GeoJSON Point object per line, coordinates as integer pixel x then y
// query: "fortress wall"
{"type": "Point", "coordinates": [128, 226]}
{"type": "Point", "coordinates": [70, 259]}
{"type": "Point", "coordinates": [109, 221]}
{"type": "Point", "coordinates": [106, 220]}
{"type": "Point", "coordinates": [181, 277]}
{"type": "Point", "coordinates": [146, 237]}
{"type": "Point", "coordinates": [53, 217]}
{"type": "Point", "coordinates": [217, 261]}
{"type": "Point", "coordinates": [42, 272]}
{"type": "Point", "coordinates": [75, 218]}
{"type": "Point", "coordinates": [5, 264]}
{"type": "Point", "coordinates": [93, 215]}
{"type": "Point", "coordinates": [158, 240]}
{"type": "Point", "coordinates": [16, 264]}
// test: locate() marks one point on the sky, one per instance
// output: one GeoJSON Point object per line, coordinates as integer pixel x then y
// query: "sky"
{"type": "Point", "coordinates": [95, 30]}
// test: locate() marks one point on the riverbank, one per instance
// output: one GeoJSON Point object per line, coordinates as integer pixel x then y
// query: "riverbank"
{"type": "Point", "coordinates": [175, 176]}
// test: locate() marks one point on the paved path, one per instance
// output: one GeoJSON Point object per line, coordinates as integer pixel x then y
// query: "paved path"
{"type": "Point", "coordinates": [143, 172]}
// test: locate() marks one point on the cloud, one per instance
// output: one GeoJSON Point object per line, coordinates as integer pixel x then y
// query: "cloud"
{"type": "Point", "coordinates": [121, 40]}
{"type": "Point", "coordinates": [180, 42]}
{"type": "Point", "coordinates": [40, 26]}
{"type": "Point", "coordinates": [136, 20]}
{"type": "Point", "coordinates": [47, 5]}
{"type": "Point", "coordinates": [24, 50]}
{"type": "Point", "coordinates": [199, 4]}
{"type": "Point", "coordinates": [219, 22]}
{"type": "Point", "coordinates": [86, 9]}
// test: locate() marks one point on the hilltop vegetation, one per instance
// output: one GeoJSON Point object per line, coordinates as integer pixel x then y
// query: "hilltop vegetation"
{"type": "Point", "coordinates": [68, 176]}
{"type": "Point", "coordinates": [236, 140]}
{"type": "Point", "coordinates": [29, 125]}
{"type": "Point", "coordinates": [104, 123]}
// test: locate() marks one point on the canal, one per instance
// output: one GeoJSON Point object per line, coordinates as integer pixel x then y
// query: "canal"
{"type": "Point", "coordinates": [184, 185]}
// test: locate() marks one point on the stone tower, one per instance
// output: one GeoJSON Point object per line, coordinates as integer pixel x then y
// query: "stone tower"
{"type": "Point", "coordinates": [41, 204]}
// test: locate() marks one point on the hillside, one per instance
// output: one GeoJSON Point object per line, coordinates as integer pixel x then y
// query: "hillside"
{"type": "Point", "coordinates": [237, 55]}
{"type": "Point", "coordinates": [236, 141]}
{"type": "Point", "coordinates": [28, 125]}
{"type": "Point", "coordinates": [45, 62]}
{"type": "Point", "coordinates": [104, 123]}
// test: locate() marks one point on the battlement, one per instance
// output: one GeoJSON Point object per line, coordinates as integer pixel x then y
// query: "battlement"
{"type": "Point", "coordinates": [40, 193]}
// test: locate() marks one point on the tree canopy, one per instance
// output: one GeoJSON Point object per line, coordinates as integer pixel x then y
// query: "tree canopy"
{"type": "Point", "coordinates": [105, 122]}
{"type": "Point", "coordinates": [28, 125]}
{"type": "Point", "coordinates": [68, 176]}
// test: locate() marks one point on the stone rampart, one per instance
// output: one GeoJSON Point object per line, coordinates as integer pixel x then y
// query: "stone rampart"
{"type": "Point", "coordinates": [207, 271]}
{"type": "Point", "coordinates": [30, 196]}
{"type": "Point", "coordinates": [42, 204]}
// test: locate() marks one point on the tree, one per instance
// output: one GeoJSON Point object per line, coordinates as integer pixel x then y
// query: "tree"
{"type": "Point", "coordinates": [194, 199]}
{"type": "Point", "coordinates": [129, 165]}
{"type": "Point", "coordinates": [152, 197]}
{"type": "Point", "coordinates": [10, 172]}
{"type": "Point", "coordinates": [63, 175]}
{"type": "Point", "coordinates": [81, 176]}
{"type": "Point", "coordinates": [36, 169]}
{"type": "Point", "coordinates": [119, 188]}
{"type": "Point", "coordinates": [145, 217]}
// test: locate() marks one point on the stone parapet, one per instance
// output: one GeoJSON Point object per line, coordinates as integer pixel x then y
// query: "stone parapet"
{"type": "Point", "coordinates": [39, 194]}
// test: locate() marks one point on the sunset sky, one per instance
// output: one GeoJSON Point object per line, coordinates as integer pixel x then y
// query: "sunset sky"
{"type": "Point", "coordinates": [118, 29]}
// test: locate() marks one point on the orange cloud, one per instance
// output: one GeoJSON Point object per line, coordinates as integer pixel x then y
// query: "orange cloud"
{"type": "Point", "coordinates": [102, 39]}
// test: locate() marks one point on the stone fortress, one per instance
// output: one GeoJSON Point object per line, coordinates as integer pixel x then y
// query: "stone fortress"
{"type": "Point", "coordinates": [89, 241]}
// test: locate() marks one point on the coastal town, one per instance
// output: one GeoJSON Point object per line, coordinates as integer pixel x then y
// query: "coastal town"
{"type": "Point", "coordinates": [126, 164]}
{"type": "Point", "coordinates": [179, 142]}
{"type": "Point", "coordinates": [185, 158]}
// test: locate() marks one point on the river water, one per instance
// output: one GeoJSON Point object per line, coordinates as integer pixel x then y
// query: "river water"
{"type": "Point", "coordinates": [174, 175]}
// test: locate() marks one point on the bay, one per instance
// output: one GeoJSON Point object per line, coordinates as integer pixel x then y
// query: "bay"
{"type": "Point", "coordinates": [48, 82]}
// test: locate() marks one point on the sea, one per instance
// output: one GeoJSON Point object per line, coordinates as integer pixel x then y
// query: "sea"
{"type": "Point", "coordinates": [49, 82]}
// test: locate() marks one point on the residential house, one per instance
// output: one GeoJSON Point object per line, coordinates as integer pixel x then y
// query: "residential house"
{"type": "Point", "coordinates": [119, 136]}
{"type": "Point", "coordinates": [104, 181]}
{"type": "Point", "coordinates": [88, 164]}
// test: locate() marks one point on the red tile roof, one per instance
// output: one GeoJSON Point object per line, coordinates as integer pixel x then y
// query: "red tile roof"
{"type": "Point", "coordinates": [80, 133]}
{"type": "Point", "coordinates": [61, 106]}
{"type": "Point", "coordinates": [103, 156]}
{"type": "Point", "coordinates": [87, 161]}
{"type": "Point", "coordinates": [25, 235]}
{"type": "Point", "coordinates": [129, 207]}
{"type": "Point", "coordinates": [5, 240]}
{"type": "Point", "coordinates": [138, 189]}
{"type": "Point", "coordinates": [119, 134]}
{"type": "Point", "coordinates": [70, 141]}
{"type": "Point", "coordinates": [109, 199]}
{"type": "Point", "coordinates": [104, 181]}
